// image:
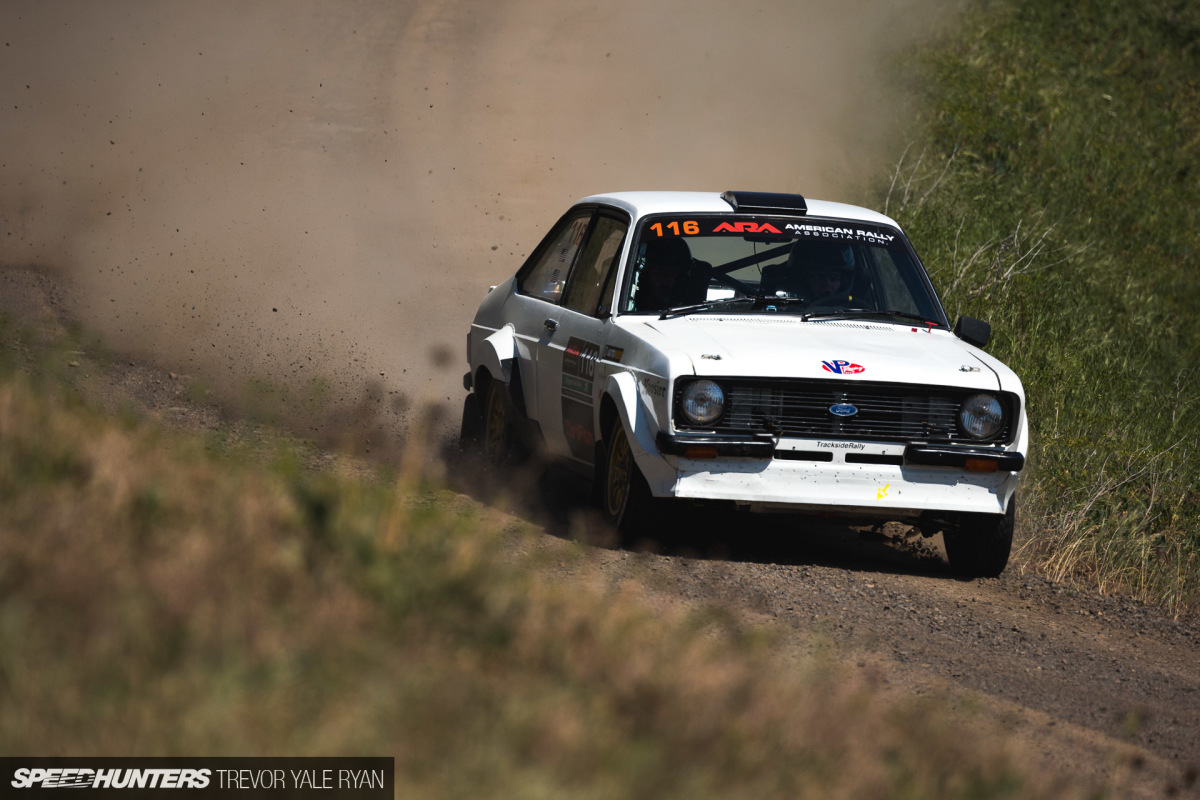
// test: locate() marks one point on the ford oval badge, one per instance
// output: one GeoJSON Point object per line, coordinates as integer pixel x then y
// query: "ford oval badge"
{"type": "Point", "coordinates": [843, 410]}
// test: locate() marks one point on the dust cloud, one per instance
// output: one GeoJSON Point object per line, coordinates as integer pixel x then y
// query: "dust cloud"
{"type": "Point", "coordinates": [318, 194]}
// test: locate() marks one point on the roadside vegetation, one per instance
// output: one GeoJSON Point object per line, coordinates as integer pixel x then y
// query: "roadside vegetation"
{"type": "Point", "coordinates": [172, 593]}
{"type": "Point", "coordinates": [1053, 184]}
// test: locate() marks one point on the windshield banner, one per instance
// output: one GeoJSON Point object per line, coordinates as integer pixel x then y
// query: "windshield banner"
{"type": "Point", "coordinates": [769, 229]}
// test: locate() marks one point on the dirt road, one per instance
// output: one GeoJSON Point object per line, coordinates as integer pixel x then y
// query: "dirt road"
{"type": "Point", "coordinates": [303, 191]}
{"type": "Point", "coordinates": [1079, 676]}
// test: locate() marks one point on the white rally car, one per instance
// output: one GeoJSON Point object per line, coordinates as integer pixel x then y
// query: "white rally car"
{"type": "Point", "coordinates": [765, 350]}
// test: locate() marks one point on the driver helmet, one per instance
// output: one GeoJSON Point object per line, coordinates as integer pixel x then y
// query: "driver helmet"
{"type": "Point", "coordinates": [662, 281]}
{"type": "Point", "coordinates": [826, 267]}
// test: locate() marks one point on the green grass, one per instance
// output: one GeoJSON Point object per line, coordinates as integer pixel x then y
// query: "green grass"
{"type": "Point", "coordinates": [1052, 184]}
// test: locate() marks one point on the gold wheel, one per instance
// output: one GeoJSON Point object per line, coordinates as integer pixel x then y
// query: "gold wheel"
{"type": "Point", "coordinates": [619, 474]}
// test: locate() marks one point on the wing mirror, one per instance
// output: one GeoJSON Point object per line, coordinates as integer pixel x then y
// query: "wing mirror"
{"type": "Point", "coordinates": [973, 331]}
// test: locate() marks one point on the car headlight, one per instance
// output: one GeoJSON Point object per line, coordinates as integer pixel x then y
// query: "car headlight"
{"type": "Point", "coordinates": [981, 416]}
{"type": "Point", "coordinates": [702, 402]}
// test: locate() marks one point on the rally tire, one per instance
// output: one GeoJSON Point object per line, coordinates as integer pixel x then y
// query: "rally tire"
{"type": "Point", "coordinates": [502, 446]}
{"type": "Point", "coordinates": [979, 546]}
{"type": "Point", "coordinates": [624, 496]}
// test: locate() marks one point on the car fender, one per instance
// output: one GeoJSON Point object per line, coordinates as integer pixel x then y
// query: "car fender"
{"type": "Point", "coordinates": [622, 387]}
{"type": "Point", "coordinates": [497, 353]}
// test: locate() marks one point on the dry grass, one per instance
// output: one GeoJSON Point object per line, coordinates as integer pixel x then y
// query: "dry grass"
{"type": "Point", "coordinates": [158, 598]}
{"type": "Point", "coordinates": [1121, 547]}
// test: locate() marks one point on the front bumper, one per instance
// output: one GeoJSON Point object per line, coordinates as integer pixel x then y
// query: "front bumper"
{"type": "Point", "coordinates": [719, 446]}
{"type": "Point", "coordinates": [861, 477]}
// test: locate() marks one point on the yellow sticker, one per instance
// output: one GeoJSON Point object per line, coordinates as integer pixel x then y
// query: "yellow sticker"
{"type": "Point", "coordinates": [882, 493]}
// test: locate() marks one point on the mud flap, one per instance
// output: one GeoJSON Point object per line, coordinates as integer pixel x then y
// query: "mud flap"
{"type": "Point", "coordinates": [470, 431]}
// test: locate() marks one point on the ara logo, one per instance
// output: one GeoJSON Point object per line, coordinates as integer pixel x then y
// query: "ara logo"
{"type": "Point", "coordinates": [746, 227]}
{"type": "Point", "coordinates": [842, 367]}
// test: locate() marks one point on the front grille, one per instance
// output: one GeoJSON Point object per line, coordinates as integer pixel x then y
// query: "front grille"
{"type": "Point", "coordinates": [885, 412]}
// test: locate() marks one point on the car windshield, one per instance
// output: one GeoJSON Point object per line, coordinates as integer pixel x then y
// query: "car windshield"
{"type": "Point", "coordinates": [684, 264]}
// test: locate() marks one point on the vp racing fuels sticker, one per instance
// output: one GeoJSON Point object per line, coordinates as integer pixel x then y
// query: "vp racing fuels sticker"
{"type": "Point", "coordinates": [578, 375]}
{"type": "Point", "coordinates": [842, 367]}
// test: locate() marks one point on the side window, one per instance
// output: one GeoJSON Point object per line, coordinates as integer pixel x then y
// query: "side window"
{"type": "Point", "coordinates": [546, 275]}
{"type": "Point", "coordinates": [585, 292]}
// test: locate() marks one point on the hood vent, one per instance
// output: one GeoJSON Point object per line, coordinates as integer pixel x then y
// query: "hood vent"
{"type": "Point", "coordinates": [765, 203]}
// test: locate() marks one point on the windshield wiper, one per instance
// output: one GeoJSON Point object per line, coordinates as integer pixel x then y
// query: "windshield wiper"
{"type": "Point", "coordinates": [679, 311]}
{"type": "Point", "coordinates": [764, 301]}
{"type": "Point", "coordinates": [855, 313]}
{"type": "Point", "coordinates": [760, 301]}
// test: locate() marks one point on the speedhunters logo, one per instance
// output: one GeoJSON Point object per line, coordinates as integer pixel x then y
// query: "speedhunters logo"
{"type": "Point", "coordinates": [84, 778]}
{"type": "Point", "coordinates": [358, 778]}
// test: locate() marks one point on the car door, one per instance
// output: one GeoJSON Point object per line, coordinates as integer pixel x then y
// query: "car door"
{"type": "Point", "coordinates": [540, 285]}
{"type": "Point", "coordinates": [571, 353]}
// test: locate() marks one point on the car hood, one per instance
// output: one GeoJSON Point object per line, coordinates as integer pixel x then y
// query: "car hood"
{"type": "Point", "coordinates": [852, 350]}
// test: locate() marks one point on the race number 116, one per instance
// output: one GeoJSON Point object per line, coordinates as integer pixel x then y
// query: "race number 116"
{"type": "Point", "coordinates": [690, 227]}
